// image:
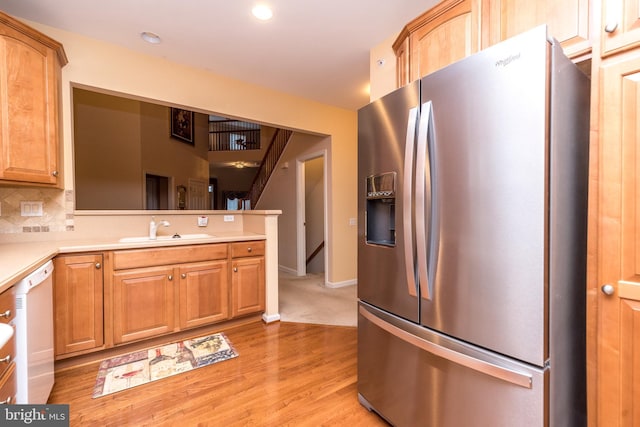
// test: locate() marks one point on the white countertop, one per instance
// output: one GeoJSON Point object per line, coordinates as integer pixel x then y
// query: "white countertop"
{"type": "Point", "coordinates": [19, 259]}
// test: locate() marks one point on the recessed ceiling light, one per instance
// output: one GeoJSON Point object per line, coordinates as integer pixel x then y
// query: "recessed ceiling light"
{"type": "Point", "coordinates": [150, 37]}
{"type": "Point", "coordinates": [262, 12]}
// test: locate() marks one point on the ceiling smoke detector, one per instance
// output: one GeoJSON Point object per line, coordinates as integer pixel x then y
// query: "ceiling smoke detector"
{"type": "Point", "coordinates": [150, 37]}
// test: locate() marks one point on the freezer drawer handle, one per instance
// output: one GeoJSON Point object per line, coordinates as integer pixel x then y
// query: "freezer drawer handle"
{"type": "Point", "coordinates": [505, 374]}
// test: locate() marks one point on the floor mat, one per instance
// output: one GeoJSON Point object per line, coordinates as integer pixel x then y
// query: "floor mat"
{"type": "Point", "coordinates": [140, 367]}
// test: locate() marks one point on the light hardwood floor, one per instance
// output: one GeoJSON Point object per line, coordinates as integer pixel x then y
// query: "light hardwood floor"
{"type": "Point", "coordinates": [287, 374]}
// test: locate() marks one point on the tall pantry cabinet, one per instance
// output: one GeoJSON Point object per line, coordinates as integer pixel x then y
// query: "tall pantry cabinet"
{"type": "Point", "coordinates": [617, 288]}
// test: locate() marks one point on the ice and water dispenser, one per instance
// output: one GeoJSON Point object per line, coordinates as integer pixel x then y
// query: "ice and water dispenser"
{"type": "Point", "coordinates": [381, 209]}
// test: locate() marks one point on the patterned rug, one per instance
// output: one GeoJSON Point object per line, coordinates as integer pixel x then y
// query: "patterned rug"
{"type": "Point", "coordinates": [140, 367]}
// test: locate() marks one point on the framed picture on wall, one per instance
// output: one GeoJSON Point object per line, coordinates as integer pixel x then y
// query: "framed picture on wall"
{"type": "Point", "coordinates": [182, 125]}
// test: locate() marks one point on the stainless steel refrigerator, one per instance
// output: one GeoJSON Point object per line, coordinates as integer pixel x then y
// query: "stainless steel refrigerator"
{"type": "Point", "coordinates": [472, 205]}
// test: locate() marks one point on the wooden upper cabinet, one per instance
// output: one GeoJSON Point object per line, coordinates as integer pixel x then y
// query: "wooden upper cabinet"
{"type": "Point", "coordinates": [620, 29]}
{"type": "Point", "coordinates": [569, 21]}
{"type": "Point", "coordinates": [444, 34]}
{"type": "Point", "coordinates": [30, 69]}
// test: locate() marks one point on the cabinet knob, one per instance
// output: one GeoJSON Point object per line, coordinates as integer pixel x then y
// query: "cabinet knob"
{"type": "Point", "coordinates": [235, 269]}
{"type": "Point", "coordinates": [6, 314]}
{"type": "Point", "coordinates": [608, 289]}
{"type": "Point", "coordinates": [98, 266]}
{"type": "Point", "coordinates": [611, 27]}
{"type": "Point", "coordinates": [7, 401]}
{"type": "Point", "coordinates": [54, 173]}
{"type": "Point", "coordinates": [249, 249]}
{"type": "Point", "coordinates": [183, 275]}
{"type": "Point", "coordinates": [6, 359]}
{"type": "Point", "coordinates": [170, 277]}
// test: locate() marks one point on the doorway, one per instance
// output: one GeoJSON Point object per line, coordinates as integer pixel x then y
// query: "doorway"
{"type": "Point", "coordinates": [312, 184]}
{"type": "Point", "coordinates": [156, 192]}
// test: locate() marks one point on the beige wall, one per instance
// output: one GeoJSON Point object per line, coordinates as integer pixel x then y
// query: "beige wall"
{"type": "Point", "coordinates": [382, 76]}
{"type": "Point", "coordinates": [101, 65]}
{"type": "Point", "coordinates": [281, 191]}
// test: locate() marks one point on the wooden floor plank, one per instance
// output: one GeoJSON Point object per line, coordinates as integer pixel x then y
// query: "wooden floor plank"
{"type": "Point", "coordinates": [287, 374]}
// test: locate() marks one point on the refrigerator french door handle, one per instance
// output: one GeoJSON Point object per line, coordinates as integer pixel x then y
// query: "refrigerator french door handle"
{"type": "Point", "coordinates": [500, 372]}
{"type": "Point", "coordinates": [407, 202]}
{"type": "Point", "coordinates": [423, 198]}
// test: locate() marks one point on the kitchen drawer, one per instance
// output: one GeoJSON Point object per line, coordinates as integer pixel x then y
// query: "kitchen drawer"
{"type": "Point", "coordinates": [7, 354]}
{"type": "Point", "coordinates": [8, 385]}
{"type": "Point", "coordinates": [246, 249]}
{"type": "Point", "coordinates": [7, 305]}
{"type": "Point", "coordinates": [137, 258]}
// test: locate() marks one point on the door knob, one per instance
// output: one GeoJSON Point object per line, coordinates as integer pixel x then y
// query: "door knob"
{"type": "Point", "coordinates": [608, 289]}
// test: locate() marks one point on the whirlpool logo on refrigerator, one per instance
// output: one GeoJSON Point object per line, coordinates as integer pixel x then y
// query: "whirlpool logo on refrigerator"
{"type": "Point", "coordinates": [508, 60]}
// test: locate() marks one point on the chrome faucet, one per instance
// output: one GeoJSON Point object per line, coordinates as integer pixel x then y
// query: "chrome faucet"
{"type": "Point", "coordinates": [153, 227]}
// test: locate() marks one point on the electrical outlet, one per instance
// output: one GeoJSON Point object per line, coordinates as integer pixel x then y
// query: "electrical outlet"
{"type": "Point", "coordinates": [32, 208]}
{"type": "Point", "coordinates": [352, 221]}
{"type": "Point", "coordinates": [229, 218]}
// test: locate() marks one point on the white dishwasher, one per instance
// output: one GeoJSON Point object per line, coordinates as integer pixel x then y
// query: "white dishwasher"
{"type": "Point", "coordinates": [34, 336]}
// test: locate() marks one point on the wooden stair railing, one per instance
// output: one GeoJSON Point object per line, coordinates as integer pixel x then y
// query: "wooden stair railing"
{"type": "Point", "coordinates": [315, 252]}
{"type": "Point", "coordinates": [276, 147]}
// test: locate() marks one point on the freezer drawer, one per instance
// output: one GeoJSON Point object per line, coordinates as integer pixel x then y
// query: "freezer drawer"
{"type": "Point", "coordinates": [412, 376]}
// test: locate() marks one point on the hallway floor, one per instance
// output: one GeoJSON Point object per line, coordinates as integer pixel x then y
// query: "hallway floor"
{"type": "Point", "coordinates": [305, 299]}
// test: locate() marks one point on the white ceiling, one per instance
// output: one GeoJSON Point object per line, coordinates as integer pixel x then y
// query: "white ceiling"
{"type": "Point", "coordinates": [316, 49]}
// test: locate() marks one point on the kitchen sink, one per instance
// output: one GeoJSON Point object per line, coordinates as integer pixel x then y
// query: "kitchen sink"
{"type": "Point", "coordinates": [165, 238]}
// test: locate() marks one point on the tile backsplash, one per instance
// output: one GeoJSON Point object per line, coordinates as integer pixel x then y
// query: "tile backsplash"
{"type": "Point", "coordinates": [57, 210]}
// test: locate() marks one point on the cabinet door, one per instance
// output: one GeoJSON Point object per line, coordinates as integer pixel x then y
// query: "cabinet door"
{"type": "Point", "coordinates": [143, 303]}
{"type": "Point", "coordinates": [203, 293]}
{"type": "Point", "coordinates": [247, 282]}
{"type": "Point", "coordinates": [78, 308]}
{"type": "Point", "coordinates": [618, 299]}
{"type": "Point", "coordinates": [8, 385]}
{"type": "Point", "coordinates": [403, 65]}
{"type": "Point", "coordinates": [29, 81]}
{"type": "Point", "coordinates": [7, 305]}
{"type": "Point", "coordinates": [620, 25]}
{"type": "Point", "coordinates": [568, 21]}
{"type": "Point", "coordinates": [445, 34]}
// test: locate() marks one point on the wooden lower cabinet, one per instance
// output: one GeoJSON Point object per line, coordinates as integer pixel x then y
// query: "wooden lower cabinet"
{"type": "Point", "coordinates": [148, 301]}
{"type": "Point", "coordinates": [247, 278]}
{"type": "Point", "coordinates": [8, 384]}
{"type": "Point", "coordinates": [143, 303]}
{"type": "Point", "coordinates": [146, 293]}
{"type": "Point", "coordinates": [203, 290]}
{"type": "Point", "coordinates": [78, 303]}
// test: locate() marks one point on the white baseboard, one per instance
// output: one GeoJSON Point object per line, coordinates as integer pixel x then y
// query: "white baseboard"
{"type": "Point", "coordinates": [288, 270]}
{"type": "Point", "coordinates": [341, 284]}
{"type": "Point", "coordinates": [271, 318]}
